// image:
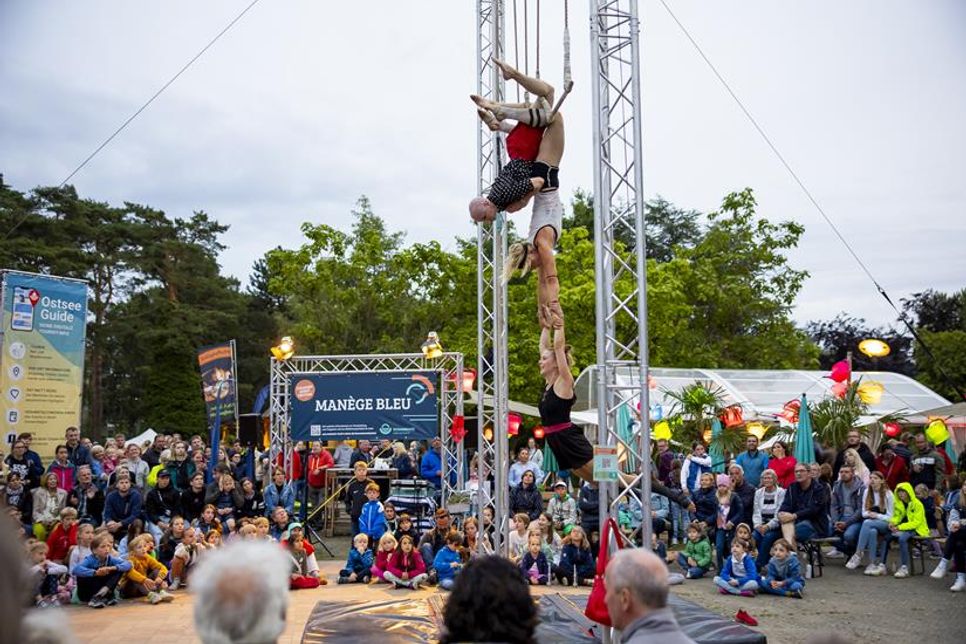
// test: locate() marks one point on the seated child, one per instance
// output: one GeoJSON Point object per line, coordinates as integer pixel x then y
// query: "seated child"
{"type": "Point", "coordinates": [85, 534]}
{"type": "Point", "coordinates": [208, 520]}
{"type": "Point", "coordinates": [185, 557]}
{"type": "Point", "coordinates": [517, 542]}
{"type": "Point", "coordinates": [63, 536]}
{"type": "Point", "coordinates": [305, 568]}
{"type": "Point", "coordinates": [406, 567]}
{"type": "Point", "coordinates": [45, 576]}
{"type": "Point", "coordinates": [576, 560]}
{"type": "Point", "coordinates": [99, 574]}
{"type": "Point", "coordinates": [447, 562]}
{"type": "Point", "coordinates": [262, 528]}
{"type": "Point", "coordinates": [147, 575]}
{"type": "Point", "coordinates": [784, 576]}
{"type": "Point", "coordinates": [743, 531]}
{"type": "Point", "coordinates": [406, 528]}
{"type": "Point", "coordinates": [695, 559]}
{"type": "Point", "coordinates": [534, 564]}
{"type": "Point", "coordinates": [359, 563]}
{"type": "Point", "coordinates": [248, 532]}
{"type": "Point", "coordinates": [385, 551]}
{"type": "Point", "coordinates": [738, 575]}
{"type": "Point", "coordinates": [213, 539]}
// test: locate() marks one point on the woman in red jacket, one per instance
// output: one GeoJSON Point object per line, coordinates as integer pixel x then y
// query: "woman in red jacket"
{"type": "Point", "coordinates": [782, 463]}
{"type": "Point", "coordinates": [892, 466]}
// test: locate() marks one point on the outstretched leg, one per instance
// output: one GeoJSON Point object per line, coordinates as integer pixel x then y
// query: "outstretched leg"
{"type": "Point", "coordinates": [533, 85]}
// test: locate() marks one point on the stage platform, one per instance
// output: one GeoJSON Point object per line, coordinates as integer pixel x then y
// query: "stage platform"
{"type": "Point", "coordinates": [419, 619]}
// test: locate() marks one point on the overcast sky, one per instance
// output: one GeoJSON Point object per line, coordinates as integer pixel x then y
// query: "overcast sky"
{"type": "Point", "coordinates": [304, 106]}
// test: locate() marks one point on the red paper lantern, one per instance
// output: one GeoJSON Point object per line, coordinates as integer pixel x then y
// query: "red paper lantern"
{"type": "Point", "coordinates": [732, 416]}
{"type": "Point", "coordinates": [841, 371]}
{"type": "Point", "coordinates": [839, 389]}
{"type": "Point", "coordinates": [891, 429]}
{"type": "Point", "coordinates": [513, 422]}
{"type": "Point", "coordinates": [538, 432]}
{"type": "Point", "coordinates": [790, 410]}
{"type": "Point", "coordinates": [457, 430]}
{"type": "Point", "coordinates": [469, 378]}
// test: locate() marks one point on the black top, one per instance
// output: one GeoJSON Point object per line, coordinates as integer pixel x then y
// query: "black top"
{"type": "Point", "coordinates": [555, 410]}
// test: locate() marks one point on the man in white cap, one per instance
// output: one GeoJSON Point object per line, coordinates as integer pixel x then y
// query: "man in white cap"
{"type": "Point", "coordinates": [562, 509]}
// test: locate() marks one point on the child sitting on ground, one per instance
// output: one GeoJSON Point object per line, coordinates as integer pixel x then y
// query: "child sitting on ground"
{"type": "Point", "coordinates": [534, 564]}
{"type": "Point", "coordinates": [784, 576]}
{"type": "Point", "coordinates": [99, 574]}
{"type": "Point", "coordinates": [248, 532]}
{"type": "Point", "coordinates": [305, 568]}
{"type": "Point", "coordinates": [743, 531]}
{"type": "Point", "coordinates": [406, 528]}
{"type": "Point", "coordinates": [447, 562]}
{"type": "Point", "coordinates": [695, 559]}
{"type": "Point", "coordinates": [576, 560]}
{"type": "Point", "coordinates": [738, 575]}
{"type": "Point", "coordinates": [147, 575]}
{"type": "Point", "coordinates": [45, 576]}
{"type": "Point", "coordinates": [186, 556]}
{"type": "Point", "coordinates": [85, 534]}
{"type": "Point", "coordinates": [207, 521]}
{"type": "Point", "coordinates": [517, 542]}
{"type": "Point", "coordinates": [385, 551]}
{"type": "Point", "coordinates": [213, 539]}
{"type": "Point", "coordinates": [406, 567]}
{"type": "Point", "coordinates": [262, 528]}
{"type": "Point", "coordinates": [63, 536]}
{"type": "Point", "coordinates": [359, 563]}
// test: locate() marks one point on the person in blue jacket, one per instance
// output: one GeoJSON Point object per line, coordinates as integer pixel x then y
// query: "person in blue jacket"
{"type": "Point", "coordinates": [279, 493]}
{"type": "Point", "coordinates": [739, 576]}
{"type": "Point", "coordinates": [358, 566]}
{"type": "Point", "coordinates": [784, 576]}
{"type": "Point", "coordinates": [372, 521]}
{"type": "Point", "coordinates": [431, 467]}
{"type": "Point", "coordinates": [534, 565]}
{"type": "Point", "coordinates": [752, 461]}
{"type": "Point", "coordinates": [122, 507]}
{"type": "Point", "coordinates": [448, 561]}
{"type": "Point", "coordinates": [99, 573]}
{"type": "Point", "coordinates": [576, 560]}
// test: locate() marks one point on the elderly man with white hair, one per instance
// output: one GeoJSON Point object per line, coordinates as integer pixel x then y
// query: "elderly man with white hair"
{"type": "Point", "coordinates": [636, 598]}
{"type": "Point", "coordinates": [241, 594]}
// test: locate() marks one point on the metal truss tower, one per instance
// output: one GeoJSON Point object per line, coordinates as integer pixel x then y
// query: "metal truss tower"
{"type": "Point", "coordinates": [492, 391]}
{"type": "Point", "coordinates": [619, 212]}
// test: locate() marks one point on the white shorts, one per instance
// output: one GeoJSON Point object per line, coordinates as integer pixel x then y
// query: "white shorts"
{"type": "Point", "coordinates": [547, 211]}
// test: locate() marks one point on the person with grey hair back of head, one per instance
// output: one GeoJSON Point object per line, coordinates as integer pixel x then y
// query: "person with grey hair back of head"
{"type": "Point", "coordinates": [637, 586]}
{"type": "Point", "coordinates": [241, 594]}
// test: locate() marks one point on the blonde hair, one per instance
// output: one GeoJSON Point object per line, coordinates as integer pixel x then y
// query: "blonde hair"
{"type": "Point", "coordinates": [387, 538]}
{"type": "Point", "coordinates": [261, 522]}
{"type": "Point", "coordinates": [517, 260]}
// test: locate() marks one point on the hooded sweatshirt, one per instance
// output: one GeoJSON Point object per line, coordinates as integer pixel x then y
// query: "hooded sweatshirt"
{"type": "Point", "coordinates": [847, 501]}
{"type": "Point", "coordinates": [909, 516]}
{"type": "Point", "coordinates": [787, 569]}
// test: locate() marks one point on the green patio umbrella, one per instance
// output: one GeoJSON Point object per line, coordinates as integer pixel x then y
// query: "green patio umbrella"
{"type": "Point", "coordinates": [804, 443]}
{"type": "Point", "coordinates": [549, 461]}
{"type": "Point", "coordinates": [717, 456]}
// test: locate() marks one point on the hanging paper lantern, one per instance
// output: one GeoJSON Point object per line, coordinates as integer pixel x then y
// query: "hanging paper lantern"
{"type": "Point", "coordinates": [732, 416]}
{"type": "Point", "coordinates": [538, 432]}
{"type": "Point", "coordinates": [513, 422]}
{"type": "Point", "coordinates": [488, 433]}
{"type": "Point", "coordinates": [469, 377]}
{"type": "Point", "coordinates": [707, 436]}
{"type": "Point", "coordinates": [662, 431]}
{"type": "Point", "coordinates": [756, 429]}
{"type": "Point", "coordinates": [937, 432]}
{"type": "Point", "coordinates": [891, 429]}
{"type": "Point", "coordinates": [457, 430]}
{"type": "Point", "coordinates": [841, 371]}
{"type": "Point", "coordinates": [870, 392]}
{"type": "Point", "coordinates": [790, 410]}
{"type": "Point", "coordinates": [839, 389]}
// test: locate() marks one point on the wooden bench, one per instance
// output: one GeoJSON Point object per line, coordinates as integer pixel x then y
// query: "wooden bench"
{"type": "Point", "coordinates": [920, 545]}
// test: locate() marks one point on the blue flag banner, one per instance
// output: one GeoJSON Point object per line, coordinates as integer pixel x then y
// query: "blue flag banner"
{"type": "Point", "coordinates": [337, 406]}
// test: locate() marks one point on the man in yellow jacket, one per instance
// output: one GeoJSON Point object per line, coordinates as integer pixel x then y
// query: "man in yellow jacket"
{"type": "Point", "coordinates": [908, 521]}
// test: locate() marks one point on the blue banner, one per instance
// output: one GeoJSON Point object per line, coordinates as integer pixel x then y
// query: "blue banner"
{"type": "Point", "coordinates": [338, 406]}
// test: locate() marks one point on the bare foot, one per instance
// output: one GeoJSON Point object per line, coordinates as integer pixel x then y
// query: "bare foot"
{"type": "Point", "coordinates": [487, 117]}
{"type": "Point", "coordinates": [483, 103]}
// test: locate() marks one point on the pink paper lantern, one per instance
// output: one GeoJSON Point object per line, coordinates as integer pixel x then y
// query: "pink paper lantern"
{"type": "Point", "coordinates": [839, 389]}
{"type": "Point", "coordinates": [841, 371]}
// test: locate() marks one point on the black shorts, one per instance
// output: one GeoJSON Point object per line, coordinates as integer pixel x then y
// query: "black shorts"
{"type": "Point", "coordinates": [512, 184]}
{"type": "Point", "coordinates": [571, 448]}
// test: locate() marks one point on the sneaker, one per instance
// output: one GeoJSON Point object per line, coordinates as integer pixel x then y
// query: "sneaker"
{"type": "Point", "coordinates": [870, 569]}
{"type": "Point", "coordinates": [902, 572]}
{"type": "Point", "coordinates": [722, 591]}
{"type": "Point", "coordinates": [959, 586]}
{"type": "Point", "coordinates": [800, 594]}
{"type": "Point", "coordinates": [96, 602]}
{"type": "Point", "coordinates": [112, 601]}
{"type": "Point", "coordinates": [175, 583]}
{"type": "Point", "coordinates": [834, 553]}
{"type": "Point", "coordinates": [854, 561]}
{"type": "Point", "coordinates": [166, 596]}
{"type": "Point", "coordinates": [747, 593]}
{"type": "Point", "coordinates": [940, 570]}
{"type": "Point", "coordinates": [154, 597]}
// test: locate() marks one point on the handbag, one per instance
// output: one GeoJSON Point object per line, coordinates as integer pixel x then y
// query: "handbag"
{"type": "Point", "coordinates": [596, 607]}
